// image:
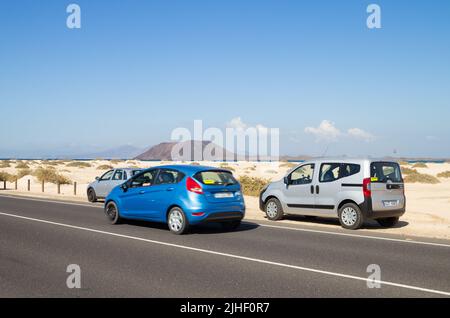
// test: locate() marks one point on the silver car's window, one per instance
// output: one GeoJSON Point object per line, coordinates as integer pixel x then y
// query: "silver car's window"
{"type": "Point", "coordinates": [302, 175]}
{"type": "Point", "coordinates": [107, 175]}
{"type": "Point", "coordinates": [329, 172]}
{"type": "Point", "coordinates": [118, 175]}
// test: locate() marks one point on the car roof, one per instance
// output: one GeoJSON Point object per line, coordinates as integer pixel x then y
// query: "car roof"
{"type": "Point", "coordinates": [188, 168]}
{"type": "Point", "coordinates": [359, 160]}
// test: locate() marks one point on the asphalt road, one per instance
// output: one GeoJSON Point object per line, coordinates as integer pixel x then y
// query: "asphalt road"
{"type": "Point", "coordinates": [39, 239]}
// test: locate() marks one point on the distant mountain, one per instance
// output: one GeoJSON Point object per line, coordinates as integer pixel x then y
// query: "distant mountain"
{"type": "Point", "coordinates": [163, 151]}
{"type": "Point", "coordinates": [122, 152]}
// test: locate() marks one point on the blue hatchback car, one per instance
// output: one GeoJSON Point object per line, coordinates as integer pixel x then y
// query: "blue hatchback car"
{"type": "Point", "coordinates": [179, 195]}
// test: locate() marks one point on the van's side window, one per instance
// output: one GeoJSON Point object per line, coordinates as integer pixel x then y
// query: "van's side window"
{"type": "Point", "coordinates": [302, 175]}
{"type": "Point", "coordinates": [349, 169]}
{"type": "Point", "coordinates": [329, 172]}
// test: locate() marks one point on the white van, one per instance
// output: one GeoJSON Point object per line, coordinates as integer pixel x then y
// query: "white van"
{"type": "Point", "coordinates": [351, 190]}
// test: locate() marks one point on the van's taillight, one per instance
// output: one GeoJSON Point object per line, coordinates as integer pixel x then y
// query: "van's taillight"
{"type": "Point", "coordinates": [366, 188]}
{"type": "Point", "coordinates": [193, 186]}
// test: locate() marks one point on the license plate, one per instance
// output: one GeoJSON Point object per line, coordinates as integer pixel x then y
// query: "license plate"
{"type": "Point", "coordinates": [390, 204]}
{"type": "Point", "coordinates": [222, 195]}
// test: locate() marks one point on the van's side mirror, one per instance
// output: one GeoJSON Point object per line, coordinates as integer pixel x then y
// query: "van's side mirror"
{"type": "Point", "coordinates": [97, 178]}
{"type": "Point", "coordinates": [286, 181]}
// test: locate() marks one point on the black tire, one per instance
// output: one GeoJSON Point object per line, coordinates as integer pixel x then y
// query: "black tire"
{"type": "Point", "coordinates": [92, 197]}
{"type": "Point", "coordinates": [274, 210]}
{"type": "Point", "coordinates": [231, 225]}
{"type": "Point", "coordinates": [388, 222]}
{"type": "Point", "coordinates": [177, 221]}
{"type": "Point", "coordinates": [112, 213]}
{"type": "Point", "coordinates": [350, 216]}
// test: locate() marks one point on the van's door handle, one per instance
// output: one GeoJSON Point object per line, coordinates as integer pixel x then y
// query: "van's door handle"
{"type": "Point", "coordinates": [312, 189]}
{"type": "Point", "coordinates": [169, 189]}
{"type": "Point", "coordinates": [317, 189]}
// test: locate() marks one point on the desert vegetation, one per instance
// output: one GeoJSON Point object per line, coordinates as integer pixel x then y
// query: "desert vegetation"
{"type": "Point", "coordinates": [252, 186]}
{"type": "Point", "coordinates": [78, 164]}
{"type": "Point", "coordinates": [420, 165]}
{"type": "Point", "coordinates": [445, 174]}
{"type": "Point", "coordinates": [22, 165]}
{"type": "Point", "coordinates": [50, 175]}
{"type": "Point", "coordinates": [104, 167]}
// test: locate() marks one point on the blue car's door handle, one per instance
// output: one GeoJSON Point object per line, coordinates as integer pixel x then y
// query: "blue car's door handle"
{"type": "Point", "coordinates": [169, 189]}
{"type": "Point", "coordinates": [141, 192]}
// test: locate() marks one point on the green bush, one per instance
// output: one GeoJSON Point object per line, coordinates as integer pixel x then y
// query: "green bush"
{"type": "Point", "coordinates": [445, 174]}
{"type": "Point", "coordinates": [50, 175]}
{"type": "Point", "coordinates": [252, 185]}
{"type": "Point", "coordinates": [78, 164]}
{"type": "Point", "coordinates": [104, 167]}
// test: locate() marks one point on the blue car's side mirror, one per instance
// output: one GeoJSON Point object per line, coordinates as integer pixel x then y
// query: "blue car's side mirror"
{"type": "Point", "coordinates": [124, 187]}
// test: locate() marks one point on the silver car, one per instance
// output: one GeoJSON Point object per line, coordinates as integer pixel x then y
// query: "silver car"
{"type": "Point", "coordinates": [352, 190]}
{"type": "Point", "coordinates": [101, 187]}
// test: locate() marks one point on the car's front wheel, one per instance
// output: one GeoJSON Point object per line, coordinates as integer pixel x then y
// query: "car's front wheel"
{"type": "Point", "coordinates": [388, 222]}
{"type": "Point", "coordinates": [177, 221]}
{"type": "Point", "coordinates": [92, 197]}
{"type": "Point", "coordinates": [274, 210]}
{"type": "Point", "coordinates": [350, 216]}
{"type": "Point", "coordinates": [112, 213]}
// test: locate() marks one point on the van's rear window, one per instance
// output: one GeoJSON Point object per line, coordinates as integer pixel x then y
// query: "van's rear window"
{"type": "Point", "coordinates": [213, 177]}
{"type": "Point", "coordinates": [384, 171]}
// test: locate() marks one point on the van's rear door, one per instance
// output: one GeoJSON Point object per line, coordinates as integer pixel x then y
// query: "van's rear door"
{"type": "Point", "coordinates": [386, 186]}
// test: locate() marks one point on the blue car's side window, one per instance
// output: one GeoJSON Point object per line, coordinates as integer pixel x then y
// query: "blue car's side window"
{"type": "Point", "coordinates": [169, 176]}
{"type": "Point", "coordinates": [145, 179]}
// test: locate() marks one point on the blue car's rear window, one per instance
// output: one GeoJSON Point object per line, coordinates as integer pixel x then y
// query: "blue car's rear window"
{"type": "Point", "coordinates": [213, 177]}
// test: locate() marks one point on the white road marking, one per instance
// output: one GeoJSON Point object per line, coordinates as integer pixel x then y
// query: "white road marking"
{"type": "Point", "coordinates": [256, 260]}
{"type": "Point", "coordinates": [381, 238]}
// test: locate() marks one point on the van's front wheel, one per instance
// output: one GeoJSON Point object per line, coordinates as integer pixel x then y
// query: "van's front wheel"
{"type": "Point", "coordinates": [388, 222]}
{"type": "Point", "coordinates": [274, 210]}
{"type": "Point", "coordinates": [350, 216]}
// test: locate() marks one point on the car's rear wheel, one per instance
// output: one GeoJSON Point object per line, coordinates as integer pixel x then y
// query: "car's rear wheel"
{"type": "Point", "coordinates": [92, 197]}
{"type": "Point", "coordinates": [177, 221]}
{"type": "Point", "coordinates": [350, 216]}
{"type": "Point", "coordinates": [112, 213]}
{"type": "Point", "coordinates": [388, 222]}
{"type": "Point", "coordinates": [231, 225]}
{"type": "Point", "coordinates": [274, 210]}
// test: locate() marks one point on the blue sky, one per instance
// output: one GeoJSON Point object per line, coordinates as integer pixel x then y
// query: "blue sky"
{"type": "Point", "coordinates": [138, 69]}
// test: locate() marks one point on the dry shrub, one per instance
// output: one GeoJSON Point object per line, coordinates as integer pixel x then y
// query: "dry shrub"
{"type": "Point", "coordinates": [288, 165]}
{"type": "Point", "coordinates": [421, 178]}
{"type": "Point", "coordinates": [23, 172]}
{"type": "Point", "coordinates": [445, 174]}
{"type": "Point", "coordinates": [5, 176]}
{"type": "Point", "coordinates": [408, 170]}
{"type": "Point", "coordinates": [104, 167]}
{"type": "Point", "coordinates": [252, 185]}
{"type": "Point", "coordinates": [22, 165]}
{"type": "Point", "coordinates": [420, 165]}
{"type": "Point", "coordinates": [403, 163]}
{"type": "Point", "coordinates": [195, 164]}
{"type": "Point", "coordinates": [50, 175]}
{"type": "Point", "coordinates": [225, 165]}
{"type": "Point", "coordinates": [5, 164]}
{"type": "Point", "coordinates": [78, 164]}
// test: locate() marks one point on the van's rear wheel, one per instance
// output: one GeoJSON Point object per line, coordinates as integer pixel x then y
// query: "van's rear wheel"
{"type": "Point", "coordinates": [388, 222]}
{"type": "Point", "coordinates": [274, 210]}
{"type": "Point", "coordinates": [350, 216]}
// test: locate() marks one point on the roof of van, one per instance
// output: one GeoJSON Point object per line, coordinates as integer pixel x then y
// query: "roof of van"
{"type": "Point", "coordinates": [349, 159]}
